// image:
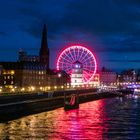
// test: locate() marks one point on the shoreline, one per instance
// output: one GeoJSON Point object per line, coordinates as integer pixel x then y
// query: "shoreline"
{"type": "Point", "coordinates": [11, 111]}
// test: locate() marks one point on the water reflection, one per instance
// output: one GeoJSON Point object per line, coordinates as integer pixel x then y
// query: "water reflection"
{"type": "Point", "coordinates": [103, 119]}
{"type": "Point", "coordinates": [86, 123]}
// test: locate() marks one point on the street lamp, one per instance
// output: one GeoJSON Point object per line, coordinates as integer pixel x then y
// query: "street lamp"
{"type": "Point", "coordinates": [59, 76]}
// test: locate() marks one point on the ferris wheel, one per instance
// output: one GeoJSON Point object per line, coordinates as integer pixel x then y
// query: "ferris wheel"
{"type": "Point", "coordinates": [71, 54]}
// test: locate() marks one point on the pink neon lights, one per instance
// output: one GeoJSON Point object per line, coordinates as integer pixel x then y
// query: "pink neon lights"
{"type": "Point", "coordinates": [78, 53]}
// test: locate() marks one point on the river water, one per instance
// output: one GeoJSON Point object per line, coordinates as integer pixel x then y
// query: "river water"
{"type": "Point", "coordinates": [106, 119]}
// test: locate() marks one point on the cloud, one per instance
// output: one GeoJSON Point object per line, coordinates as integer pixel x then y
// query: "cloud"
{"type": "Point", "coordinates": [96, 17]}
{"type": "Point", "coordinates": [99, 18]}
{"type": "Point", "coordinates": [120, 60]}
{"type": "Point", "coordinates": [102, 16]}
{"type": "Point", "coordinates": [111, 26]}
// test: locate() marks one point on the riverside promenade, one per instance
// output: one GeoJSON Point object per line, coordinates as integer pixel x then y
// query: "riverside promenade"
{"type": "Point", "coordinates": [16, 106]}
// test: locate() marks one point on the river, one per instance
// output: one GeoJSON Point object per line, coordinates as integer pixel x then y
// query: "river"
{"type": "Point", "coordinates": [106, 119]}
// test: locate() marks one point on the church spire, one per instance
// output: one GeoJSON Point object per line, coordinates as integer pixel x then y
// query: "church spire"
{"type": "Point", "coordinates": [44, 50]}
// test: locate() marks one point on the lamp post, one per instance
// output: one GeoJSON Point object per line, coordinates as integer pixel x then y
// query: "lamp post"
{"type": "Point", "coordinates": [60, 80]}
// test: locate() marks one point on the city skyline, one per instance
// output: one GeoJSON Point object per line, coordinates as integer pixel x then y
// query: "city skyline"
{"type": "Point", "coordinates": [110, 29]}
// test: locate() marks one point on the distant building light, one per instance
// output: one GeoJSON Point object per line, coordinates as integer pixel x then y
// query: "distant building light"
{"type": "Point", "coordinates": [12, 72]}
{"type": "Point", "coordinates": [12, 89]}
{"type": "Point", "coordinates": [22, 89]}
{"type": "Point", "coordinates": [32, 88]}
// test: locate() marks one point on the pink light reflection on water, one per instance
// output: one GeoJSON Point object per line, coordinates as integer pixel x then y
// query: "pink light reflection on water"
{"type": "Point", "coordinates": [88, 122]}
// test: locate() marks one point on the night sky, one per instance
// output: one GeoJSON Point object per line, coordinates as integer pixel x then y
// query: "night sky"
{"type": "Point", "coordinates": [110, 28]}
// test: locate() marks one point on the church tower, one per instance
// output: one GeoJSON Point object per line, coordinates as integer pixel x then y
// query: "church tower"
{"type": "Point", "coordinates": [44, 50]}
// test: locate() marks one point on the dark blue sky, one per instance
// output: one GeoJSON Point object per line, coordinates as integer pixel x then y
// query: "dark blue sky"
{"type": "Point", "coordinates": [111, 28]}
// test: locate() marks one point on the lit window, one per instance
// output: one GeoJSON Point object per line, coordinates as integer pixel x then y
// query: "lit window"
{"type": "Point", "coordinates": [4, 72]}
{"type": "Point", "coordinates": [12, 72]}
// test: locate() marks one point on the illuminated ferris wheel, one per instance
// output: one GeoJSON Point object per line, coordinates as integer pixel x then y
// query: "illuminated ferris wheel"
{"type": "Point", "coordinates": [72, 54]}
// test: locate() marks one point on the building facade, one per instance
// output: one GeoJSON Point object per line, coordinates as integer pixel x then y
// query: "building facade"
{"type": "Point", "coordinates": [107, 77]}
{"type": "Point", "coordinates": [128, 76]}
{"type": "Point", "coordinates": [24, 57]}
{"type": "Point", "coordinates": [95, 81]}
{"type": "Point", "coordinates": [32, 72]}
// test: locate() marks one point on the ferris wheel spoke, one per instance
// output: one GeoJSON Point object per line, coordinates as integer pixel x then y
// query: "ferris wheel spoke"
{"type": "Point", "coordinates": [66, 67]}
{"type": "Point", "coordinates": [75, 51]}
{"type": "Point", "coordinates": [69, 57]}
{"type": "Point", "coordinates": [87, 74]}
{"type": "Point", "coordinates": [88, 65]}
{"type": "Point", "coordinates": [68, 71]}
{"type": "Point", "coordinates": [88, 70]}
{"type": "Point", "coordinates": [66, 60]}
{"type": "Point", "coordinates": [85, 78]}
{"type": "Point", "coordinates": [72, 54]}
{"type": "Point", "coordinates": [90, 57]}
{"type": "Point", "coordinates": [77, 54]}
{"type": "Point", "coordinates": [61, 62]}
{"type": "Point", "coordinates": [82, 52]}
{"type": "Point", "coordinates": [84, 56]}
